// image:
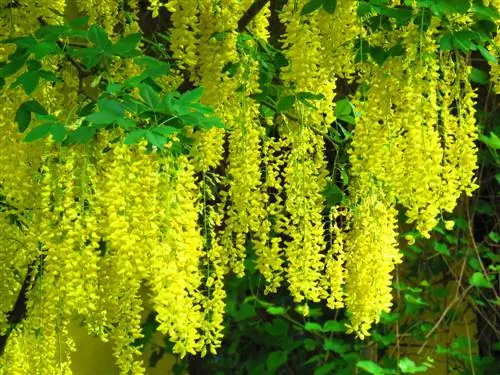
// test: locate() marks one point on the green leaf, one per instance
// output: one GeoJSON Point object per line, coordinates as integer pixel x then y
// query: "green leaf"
{"type": "Point", "coordinates": [58, 131]}
{"type": "Point", "coordinates": [126, 123]}
{"type": "Point", "coordinates": [98, 36]}
{"type": "Point", "coordinates": [43, 49]}
{"type": "Point", "coordinates": [456, 6]}
{"type": "Point", "coordinates": [441, 248]}
{"type": "Point", "coordinates": [29, 81]}
{"type": "Point", "coordinates": [82, 135]}
{"type": "Point", "coordinates": [479, 76]}
{"type": "Point", "coordinates": [150, 96]}
{"type": "Point", "coordinates": [312, 326]}
{"type": "Point", "coordinates": [486, 54]}
{"type": "Point", "coordinates": [113, 88]}
{"type": "Point", "coordinates": [112, 106]}
{"type": "Point", "coordinates": [38, 133]}
{"type": "Point", "coordinates": [311, 6]}
{"type": "Point", "coordinates": [492, 141]}
{"type": "Point", "coordinates": [384, 340]}
{"type": "Point", "coordinates": [102, 118]}
{"type": "Point", "coordinates": [23, 114]}
{"type": "Point", "coordinates": [334, 326]}
{"type": "Point", "coordinates": [35, 107]}
{"type": "Point", "coordinates": [285, 103]}
{"type": "Point", "coordinates": [165, 130]}
{"type": "Point", "coordinates": [23, 118]}
{"type": "Point", "coordinates": [304, 95]}
{"type": "Point", "coordinates": [310, 344]}
{"type": "Point", "coordinates": [134, 136]}
{"type": "Point", "coordinates": [378, 54]}
{"type": "Point", "coordinates": [329, 6]}
{"type": "Point", "coordinates": [246, 311]}
{"type": "Point", "coordinates": [276, 310]}
{"type": "Point", "coordinates": [494, 236]}
{"type": "Point", "coordinates": [326, 369]}
{"type": "Point", "coordinates": [276, 359]}
{"type": "Point", "coordinates": [389, 318]}
{"type": "Point", "coordinates": [191, 96]}
{"type": "Point", "coordinates": [407, 366]}
{"type": "Point", "coordinates": [126, 46]}
{"type": "Point", "coordinates": [33, 65]}
{"type": "Point", "coordinates": [51, 33]}
{"type": "Point", "coordinates": [478, 280]}
{"type": "Point", "coordinates": [336, 345]}
{"type": "Point", "coordinates": [463, 40]}
{"type": "Point", "coordinates": [373, 368]}
{"type": "Point", "coordinates": [343, 108]}
{"type": "Point", "coordinates": [79, 22]}
{"type": "Point", "coordinates": [277, 327]}
{"type": "Point", "coordinates": [446, 42]}
{"type": "Point", "coordinates": [46, 117]}
{"type": "Point", "coordinates": [440, 7]}
{"type": "Point", "coordinates": [401, 15]}
{"type": "Point", "coordinates": [484, 12]}
{"type": "Point", "coordinates": [48, 76]}
{"type": "Point", "coordinates": [88, 56]}
{"type": "Point", "coordinates": [156, 139]}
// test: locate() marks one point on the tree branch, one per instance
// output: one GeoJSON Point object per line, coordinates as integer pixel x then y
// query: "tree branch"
{"type": "Point", "coordinates": [243, 22]}
{"type": "Point", "coordinates": [17, 314]}
{"type": "Point", "coordinates": [250, 14]}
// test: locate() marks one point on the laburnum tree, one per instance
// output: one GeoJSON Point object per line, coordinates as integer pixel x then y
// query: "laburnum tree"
{"type": "Point", "coordinates": [156, 145]}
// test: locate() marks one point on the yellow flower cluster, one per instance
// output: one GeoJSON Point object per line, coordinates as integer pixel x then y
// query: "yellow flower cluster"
{"type": "Point", "coordinates": [339, 224]}
{"type": "Point", "coordinates": [399, 136]}
{"type": "Point", "coordinates": [185, 31]}
{"type": "Point", "coordinates": [176, 275]}
{"type": "Point", "coordinates": [104, 222]}
{"type": "Point", "coordinates": [304, 182]}
{"type": "Point", "coordinates": [371, 254]}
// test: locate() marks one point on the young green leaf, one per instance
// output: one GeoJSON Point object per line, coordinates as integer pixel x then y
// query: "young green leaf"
{"type": "Point", "coordinates": [191, 96]}
{"type": "Point", "coordinates": [11, 68]}
{"type": "Point", "coordinates": [82, 135]}
{"type": "Point", "coordinates": [98, 36]}
{"type": "Point", "coordinates": [285, 103]}
{"type": "Point", "coordinates": [486, 54]}
{"type": "Point", "coordinates": [329, 6]}
{"type": "Point", "coordinates": [343, 108]}
{"type": "Point", "coordinates": [102, 118]}
{"type": "Point", "coordinates": [23, 118]}
{"type": "Point", "coordinates": [478, 280]}
{"type": "Point", "coordinates": [29, 81]}
{"type": "Point", "coordinates": [126, 123]}
{"type": "Point", "coordinates": [276, 310]}
{"type": "Point", "coordinates": [38, 132]}
{"type": "Point", "coordinates": [79, 23]}
{"type": "Point", "coordinates": [58, 131]}
{"type": "Point", "coordinates": [373, 368]}
{"type": "Point", "coordinates": [311, 6]}
{"type": "Point", "coordinates": [407, 366]}
{"type": "Point", "coordinates": [23, 114]}
{"type": "Point", "coordinates": [126, 46]}
{"type": "Point", "coordinates": [492, 141]}
{"type": "Point", "coordinates": [134, 136]}
{"type": "Point", "coordinates": [276, 359]}
{"type": "Point", "coordinates": [334, 326]}
{"type": "Point", "coordinates": [479, 76]}
{"type": "Point", "coordinates": [150, 96]}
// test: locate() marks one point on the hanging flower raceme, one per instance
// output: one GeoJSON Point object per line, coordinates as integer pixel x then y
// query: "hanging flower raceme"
{"type": "Point", "coordinates": [99, 230]}
{"type": "Point", "coordinates": [371, 254]}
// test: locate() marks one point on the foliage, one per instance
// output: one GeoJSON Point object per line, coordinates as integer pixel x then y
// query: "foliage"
{"type": "Point", "coordinates": [223, 154]}
{"type": "Point", "coordinates": [155, 115]}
